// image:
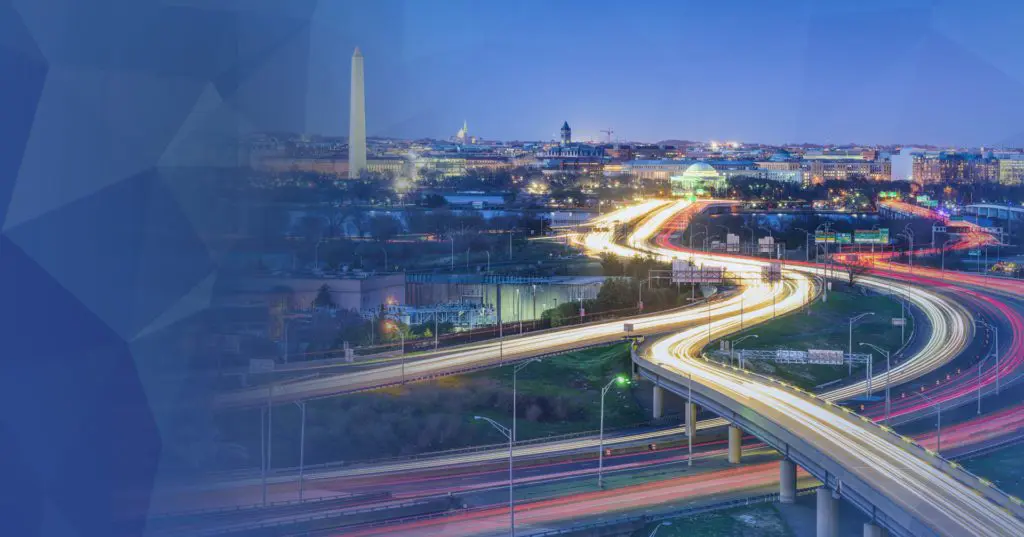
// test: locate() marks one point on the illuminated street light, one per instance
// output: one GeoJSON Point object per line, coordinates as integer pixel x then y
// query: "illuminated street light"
{"type": "Point", "coordinates": [621, 380]}
{"type": "Point", "coordinates": [511, 499]}
{"type": "Point", "coordinates": [888, 367]}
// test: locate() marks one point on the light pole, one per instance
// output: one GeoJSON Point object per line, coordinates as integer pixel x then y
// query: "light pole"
{"type": "Point", "coordinates": [888, 367]}
{"type": "Point", "coordinates": [385, 250]}
{"type": "Point", "coordinates": [807, 246]}
{"type": "Point", "coordinates": [621, 380]}
{"type": "Point", "coordinates": [909, 235]}
{"type": "Point", "coordinates": [691, 420]}
{"type": "Point", "coordinates": [853, 320]}
{"type": "Point", "coordinates": [316, 254]}
{"type": "Point", "coordinates": [302, 447]}
{"type": "Point", "coordinates": [515, 371]}
{"type": "Point", "coordinates": [640, 295]}
{"type": "Point", "coordinates": [950, 241]}
{"type": "Point", "coordinates": [995, 337]}
{"type": "Point", "coordinates": [488, 261]}
{"type": "Point", "coordinates": [753, 249]}
{"type": "Point", "coordinates": [691, 237]}
{"type": "Point", "coordinates": [452, 238]}
{"type": "Point", "coordinates": [398, 329]}
{"type": "Point", "coordinates": [511, 505]}
{"type": "Point", "coordinates": [732, 348]}
{"type": "Point", "coordinates": [938, 429]}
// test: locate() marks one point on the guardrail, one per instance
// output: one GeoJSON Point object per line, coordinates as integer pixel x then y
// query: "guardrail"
{"type": "Point", "coordinates": [1011, 504]}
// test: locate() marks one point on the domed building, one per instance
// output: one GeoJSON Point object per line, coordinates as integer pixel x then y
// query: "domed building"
{"type": "Point", "coordinates": [699, 179]}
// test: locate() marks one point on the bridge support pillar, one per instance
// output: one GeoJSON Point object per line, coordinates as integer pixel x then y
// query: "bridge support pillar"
{"type": "Point", "coordinates": [873, 530]}
{"type": "Point", "coordinates": [787, 481]}
{"type": "Point", "coordinates": [691, 419]}
{"type": "Point", "coordinates": [735, 444]}
{"type": "Point", "coordinates": [828, 513]}
{"type": "Point", "coordinates": [659, 402]}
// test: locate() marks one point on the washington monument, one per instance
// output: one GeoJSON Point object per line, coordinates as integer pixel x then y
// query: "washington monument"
{"type": "Point", "coordinates": [357, 120]}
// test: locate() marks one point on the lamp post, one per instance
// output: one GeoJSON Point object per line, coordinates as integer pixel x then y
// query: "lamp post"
{"type": "Point", "coordinates": [807, 246]}
{"type": "Point", "coordinates": [640, 295]}
{"type": "Point", "coordinates": [488, 261]}
{"type": "Point", "coordinates": [853, 320]}
{"type": "Point", "coordinates": [316, 254]}
{"type": "Point", "coordinates": [938, 412]}
{"type": "Point", "coordinates": [397, 329]}
{"type": "Point", "coordinates": [995, 337]}
{"type": "Point", "coordinates": [753, 250]}
{"type": "Point", "coordinates": [621, 380]}
{"type": "Point", "coordinates": [691, 237]}
{"type": "Point", "coordinates": [909, 235]}
{"type": "Point", "coordinates": [515, 372]}
{"type": "Point", "coordinates": [950, 241]}
{"type": "Point", "coordinates": [452, 238]}
{"type": "Point", "coordinates": [888, 367]}
{"type": "Point", "coordinates": [302, 447]}
{"type": "Point", "coordinates": [511, 499]}
{"type": "Point", "coordinates": [385, 250]}
{"type": "Point", "coordinates": [732, 348]}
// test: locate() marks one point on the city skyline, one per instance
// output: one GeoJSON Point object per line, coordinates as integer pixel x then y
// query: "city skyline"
{"type": "Point", "coordinates": [793, 73]}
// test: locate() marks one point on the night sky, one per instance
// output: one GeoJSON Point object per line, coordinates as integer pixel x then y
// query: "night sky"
{"type": "Point", "coordinates": [914, 72]}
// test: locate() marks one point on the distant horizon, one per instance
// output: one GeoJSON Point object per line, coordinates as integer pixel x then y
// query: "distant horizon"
{"type": "Point", "coordinates": [667, 140]}
{"type": "Point", "coordinates": [946, 73]}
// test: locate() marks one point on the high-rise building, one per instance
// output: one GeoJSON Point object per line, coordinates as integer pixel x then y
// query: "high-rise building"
{"type": "Point", "coordinates": [954, 167]}
{"type": "Point", "coordinates": [566, 134]}
{"type": "Point", "coordinates": [357, 120]}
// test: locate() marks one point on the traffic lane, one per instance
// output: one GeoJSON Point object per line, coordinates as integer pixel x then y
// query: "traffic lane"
{"type": "Point", "coordinates": [929, 494]}
{"type": "Point", "coordinates": [489, 354]}
{"type": "Point", "coordinates": [534, 516]}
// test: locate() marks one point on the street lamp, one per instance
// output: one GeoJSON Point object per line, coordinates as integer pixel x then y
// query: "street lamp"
{"type": "Point", "coordinates": [938, 429]}
{"type": "Point", "coordinates": [316, 253]}
{"type": "Point", "coordinates": [853, 320]}
{"type": "Point", "coordinates": [808, 244]}
{"type": "Point", "coordinates": [515, 371]}
{"type": "Point", "coordinates": [732, 347]}
{"type": "Point", "coordinates": [385, 250]}
{"type": "Point", "coordinates": [950, 241]}
{"type": "Point", "coordinates": [640, 295]}
{"type": "Point", "coordinates": [909, 235]}
{"type": "Point", "coordinates": [995, 336]}
{"type": "Point", "coordinates": [888, 367]}
{"type": "Point", "coordinates": [621, 380]}
{"type": "Point", "coordinates": [511, 506]}
{"type": "Point", "coordinates": [398, 330]}
{"type": "Point", "coordinates": [302, 447]}
{"type": "Point", "coordinates": [691, 237]}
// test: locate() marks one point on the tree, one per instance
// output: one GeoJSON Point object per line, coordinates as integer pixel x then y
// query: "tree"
{"type": "Point", "coordinates": [323, 298]}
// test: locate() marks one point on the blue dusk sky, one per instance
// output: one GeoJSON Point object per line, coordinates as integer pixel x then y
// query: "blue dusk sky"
{"type": "Point", "coordinates": [895, 71]}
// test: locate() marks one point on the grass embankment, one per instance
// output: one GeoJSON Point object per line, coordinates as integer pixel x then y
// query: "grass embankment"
{"type": "Point", "coordinates": [753, 521]}
{"type": "Point", "coordinates": [558, 395]}
{"type": "Point", "coordinates": [825, 325]}
{"type": "Point", "coordinates": [1005, 467]}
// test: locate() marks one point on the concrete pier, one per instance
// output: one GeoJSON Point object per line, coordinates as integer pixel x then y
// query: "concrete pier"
{"type": "Point", "coordinates": [873, 530]}
{"type": "Point", "coordinates": [827, 514]}
{"type": "Point", "coordinates": [735, 444]}
{"type": "Point", "coordinates": [659, 402]}
{"type": "Point", "coordinates": [787, 481]}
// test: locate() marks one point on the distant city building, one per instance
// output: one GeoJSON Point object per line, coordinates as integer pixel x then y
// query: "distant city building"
{"type": "Point", "coordinates": [462, 136]}
{"type": "Point", "coordinates": [566, 134]}
{"type": "Point", "coordinates": [357, 119]}
{"type": "Point", "coordinates": [1011, 169]}
{"type": "Point", "coordinates": [952, 167]}
{"type": "Point", "coordinates": [829, 169]}
{"type": "Point", "coordinates": [902, 168]}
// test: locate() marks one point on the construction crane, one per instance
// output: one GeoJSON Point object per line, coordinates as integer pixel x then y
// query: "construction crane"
{"type": "Point", "coordinates": [609, 132]}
